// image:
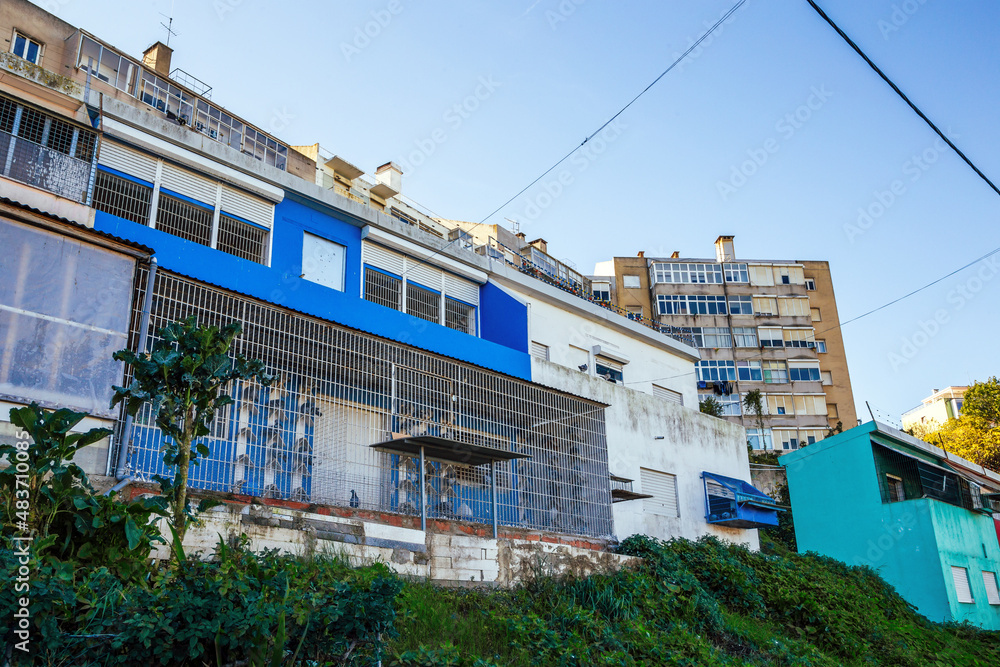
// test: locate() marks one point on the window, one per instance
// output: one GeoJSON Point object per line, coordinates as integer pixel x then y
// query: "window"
{"type": "Point", "coordinates": [422, 302]}
{"type": "Point", "coordinates": [760, 438]}
{"type": "Point", "coordinates": [609, 369]}
{"type": "Point", "coordinates": [745, 336]}
{"type": "Point", "coordinates": [775, 372]}
{"type": "Point", "coordinates": [765, 305]}
{"type": "Point", "coordinates": [808, 436]}
{"type": "Point", "coordinates": [106, 65]}
{"type": "Point", "coordinates": [810, 285]}
{"type": "Point", "coordinates": [539, 351]}
{"type": "Point", "coordinates": [990, 581]}
{"type": "Point", "coordinates": [680, 272]}
{"type": "Point", "coordinates": [831, 411]}
{"type": "Point", "coordinates": [962, 591]}
{"type": "Point", "coordinates": [826, 377]}
{"type": "Point", "coordinates": [731, 405]}
{"type": "Point", "coordinates": [631, 282]}
{"type": "Point", "coordinates": [771, 337]}
{"type": "Point", "coordinates": [779, 404]}
{"type": "Point", "coordinates": [668, 394]}
{"type": "Point", "coordinates": [799, 338]}
{"type": "Point", "coordinates": [185, 219]}
{"type": "Point", "coordinates": [799, 371]}
{"type": "Point", "coordinates": [690, 304]}
{"type": "Point", "coordinates": [123, 198]}
{"type": "Point", "coordinates": [736, 273]}
{"type": "Point", "coordinates": [634, 312]}
{"type": "Point", "coordinates": [714, 336]}
{"type": "Point", "coordinates": [710, 370]}
{"type": "Point", "coordinates": [460, 316]}
{"type": "Point", "coordinates": [27, 48]}
{"type": "Point", "coordinates": [793, 307]}
{"type": "Point", "coordinates": [761, 275]}
{"type": "Point", "coordinates": [815, 315]}
{"type": "Point", "coordinates": [602, 291]}
{"type": "Point", "coordinates": [788, 275]}
{"type": "Point", "coordinates": [741, 305]}
{"type": "Point", "coordinates": [894, 485]}
{"type": "Point", "coordinates": [662, 486]}
{"type": "Point", "coordinates": [810, 405]}
{"type": "Point", "coordinates": [786, 439]}
{"type": "Point", "coordinates": [383, 289]}
{"type": "Point", "coordinates": [244, 239]}
{"type": "Point", "coordinates": [821, 346]}
{"type": "Point", "coordinates": [748, 371]}
{"type": "Point", "coordinates": [322, 261]}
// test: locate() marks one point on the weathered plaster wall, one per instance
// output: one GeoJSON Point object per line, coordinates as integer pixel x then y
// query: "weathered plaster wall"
{"type": "Point", "coordinates": [449, 552]}
{"type": "Point", "coordinates": [647, 432]}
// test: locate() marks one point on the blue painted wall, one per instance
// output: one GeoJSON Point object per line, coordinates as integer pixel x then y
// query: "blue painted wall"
{"type": "Point", "coordinates": [502, 318]}
{"type": "Point", "coordinates": [280, 284]}
{"type": "Point", "coordinates": [912, 544]}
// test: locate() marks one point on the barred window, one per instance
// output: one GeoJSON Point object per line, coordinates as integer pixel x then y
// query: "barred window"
{"type": "Point", "coordinates": [241, 239]}
{"type": "Point", "coordinates": [123, 198]}
{"type": "Point", "coordinates": [180, 218]}
{"type": "Point", "coordinates": [460, 316]}
{"type": "Point", "coordinates": [382, 288]}
{"type": "Point", "coordinates": [8, 110]}
{"type": "Point", "coordinates": [423, 303]}
{"type": "Point", "coordinates": [32, 126]}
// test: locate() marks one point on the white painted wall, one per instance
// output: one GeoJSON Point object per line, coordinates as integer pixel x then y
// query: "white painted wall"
{"type": "Point", "coordinates": [691, 444]}
{"type": "Point", "coordinates": [571, 335]}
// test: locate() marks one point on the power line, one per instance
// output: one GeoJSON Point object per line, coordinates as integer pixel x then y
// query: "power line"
{"type": "Point", "coordinates": [672, 65]}
{"type": "Point", "coordinates": [902, 95]}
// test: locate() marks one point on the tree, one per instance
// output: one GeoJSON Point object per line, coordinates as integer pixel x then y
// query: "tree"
{"type": "Point", "coordinates": [181, 380]}
{"type": "Point", "coordinates": [754, 403]}
{"type": "Point", "coordinates": [710, 406]}
{"type": "Point", "coordinates": [975, 434]}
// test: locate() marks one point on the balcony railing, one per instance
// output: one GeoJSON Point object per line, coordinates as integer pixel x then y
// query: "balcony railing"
{"type": "Point", "coordinates": [499, 252]}
{"type": "Point", "coordinates": [47, 153]}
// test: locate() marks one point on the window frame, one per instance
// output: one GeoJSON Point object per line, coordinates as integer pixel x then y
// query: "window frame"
{"type": "Point", "coordinates": [744, 305]}
{"type": "Point", "coordinates": [28, 41]}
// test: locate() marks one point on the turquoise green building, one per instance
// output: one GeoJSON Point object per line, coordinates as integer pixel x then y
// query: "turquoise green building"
{"type": "Point", "coordinates": [924, 519]}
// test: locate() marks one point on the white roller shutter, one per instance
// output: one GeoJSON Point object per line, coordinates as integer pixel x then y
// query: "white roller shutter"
{"type": "Point", "coordinates": [668, 394]}
{"type": "Point", "coordinates": [461, 289]}
{"type": "Point", "coordinates": [246, 206]}
{"type": "Point", "coordinates": [128, 161]}
{"type": "Point", "coordinates": [992, 594]}
{"type": "Point", "coordinates": [418, 272]}
{"type": "Point", "coordinates": [962, 591]}
{"type": "Point", "coordinates": [189, 184]}
{"type": "Point", "coordinates": [663, 487]}
{"type": "Point", "coordinates": [381, 258]}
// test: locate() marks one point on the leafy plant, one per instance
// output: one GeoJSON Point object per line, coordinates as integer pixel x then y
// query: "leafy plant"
{"type": "Point", "coordinates": [710, 406]}
{"type": "Point", "coordinates": [754, 403]}
{"type": "Point", "coordinates": [181, 380]}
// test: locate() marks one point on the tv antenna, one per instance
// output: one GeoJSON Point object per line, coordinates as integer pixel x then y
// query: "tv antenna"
{"type": "Point", "coordinates": [169, 26]}
{"type": "Point", "coordinates": [515, 226]}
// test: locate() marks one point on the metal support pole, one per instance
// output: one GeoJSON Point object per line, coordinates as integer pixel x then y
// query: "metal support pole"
{"type": "Point", "coordinates": [423, 493]}
{"type": "Point", "coordinates": [147, 306]}
{"type": "Point", "coordinates": [493, 494]}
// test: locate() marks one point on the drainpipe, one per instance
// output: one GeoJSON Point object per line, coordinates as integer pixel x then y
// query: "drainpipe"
{"type": "Point", "coordinates": [126, 439]}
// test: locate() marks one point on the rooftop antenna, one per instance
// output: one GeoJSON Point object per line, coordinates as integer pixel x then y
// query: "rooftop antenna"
{"type": "Point", "coordinates": [170, 23]}
{"type": "Point", "coordinates": [515, 226]}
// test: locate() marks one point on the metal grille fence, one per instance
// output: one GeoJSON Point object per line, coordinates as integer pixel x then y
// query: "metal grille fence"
{"type": "Point", "coordinates": [123, 198]}
{"type": "Point", "coordinates": [180, 218]}
{"type": "Point", "coordinates": [308, 436]}
{"type": "Point", "coordinates": [382, 288]}
{"type": "Point", "coordinates": [240, 239]}
{"type": "Point", "coordinates": [42, 151]}
{"type": "Point", "coordinates": [423, 303]}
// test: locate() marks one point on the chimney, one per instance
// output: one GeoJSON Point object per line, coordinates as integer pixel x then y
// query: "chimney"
{"type": "Point", "coordinates": [541, 244]}
{"type": "Point", "coordinates": [724, 249]}
{"type": "Point", "coordinates": [390, 174]}
{"type": "Point", "coordinates": [675, 254]}
{"type": "Point", "coordinates": [157, 58]}
{"type": "Point", "coordinates": [642, 253]}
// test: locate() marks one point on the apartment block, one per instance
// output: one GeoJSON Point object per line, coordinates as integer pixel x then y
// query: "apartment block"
{"type": "Point", "coordinates": [767, 325]}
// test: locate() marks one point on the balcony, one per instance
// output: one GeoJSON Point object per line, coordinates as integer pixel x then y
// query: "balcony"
{"type": "Point", "coordinates": [42, 151]}
{"type": "Point", "coordinates": [559, 275]}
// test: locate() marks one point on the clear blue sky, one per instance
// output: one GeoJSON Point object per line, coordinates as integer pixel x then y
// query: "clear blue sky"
{"type": "Point", "coordinates": [548, 73]}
